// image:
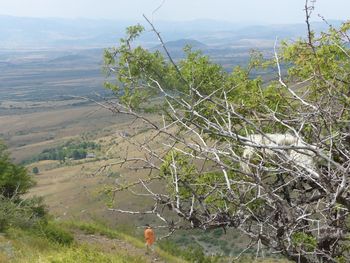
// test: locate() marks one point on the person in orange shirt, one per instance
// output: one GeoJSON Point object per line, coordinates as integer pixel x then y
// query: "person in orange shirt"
{"type": "Point", "coordinates": [150, 237]}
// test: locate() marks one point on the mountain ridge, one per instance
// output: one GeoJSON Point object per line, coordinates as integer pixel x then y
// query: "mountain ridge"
{"type": "Point", "coordinates": [29, 32]}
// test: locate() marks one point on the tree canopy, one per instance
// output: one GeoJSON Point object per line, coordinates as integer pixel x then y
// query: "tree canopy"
{"type": "Point", "coordinates": [14, 179]}
{"type": "Point", "coordinates": [269, 157]}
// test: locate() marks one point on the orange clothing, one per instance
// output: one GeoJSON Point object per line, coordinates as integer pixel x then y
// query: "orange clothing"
{"type": "Point", "coordinates": [150, 237]}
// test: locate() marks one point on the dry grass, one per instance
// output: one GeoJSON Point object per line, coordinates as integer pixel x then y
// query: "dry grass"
{"type": "Point", "coordinates": [30, 133]}
{"type": "Point", "coordinates": [71, 190]}
{"type": "Point", "coordinates": [74, 190]}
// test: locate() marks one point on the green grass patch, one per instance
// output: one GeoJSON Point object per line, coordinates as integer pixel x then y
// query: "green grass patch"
{"type": "Point", "coordinates": [51, 246]}
{"type": "Point", "coordinates": [95, 228]}
{"type": "Point", "coordinates": [88, 254]}
{"type": "Point", "coordinates": [55, 233]}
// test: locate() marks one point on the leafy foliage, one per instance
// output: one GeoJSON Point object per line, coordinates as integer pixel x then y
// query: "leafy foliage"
{"type": "Point", "coordinates": [68, 150]}
{"type": "Point", "coordinates": [14, 179]}
{"type": "Point", "coordinates": [24, 214]}
{"type": "Point", "coordinates": [54, 233]}
{"type": "Point", "coordinates": [14, 182]}
{"type": "Point", "coordinates": [210, 117]}
{"type": "Point", "coordinates": [35, 170]}
{"type": "Point", "coordinates": [304, 241]}
{"type": "Point", "coordinates": [192, 253]}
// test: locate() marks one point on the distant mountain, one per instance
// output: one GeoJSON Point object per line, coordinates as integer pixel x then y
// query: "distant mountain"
{"type": "Point", "coordinates": [180, 44]}
{"type": "Point", "coordinates": [38, 33]}
{"type": "Point", "coordinates": [69, 58]}
{"type": "Point", "coordinates": [22, 32]}
{"type": "Point", "coordinates": [176, 47]}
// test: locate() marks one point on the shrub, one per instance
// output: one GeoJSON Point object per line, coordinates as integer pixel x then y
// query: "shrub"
{"type": "Point", "coordinates": [55, 233]}
{"type": "Point", "coordinates": [193, 253]}
{"type": "Point", "coordinates": [217, 233]}
{"type": "Point", "coordinates": [24, 214]}
{"type": "Point", "coordinates": [35, 170]}
{"type": "Point", "coordinates": [14, 179]}
{"type": "Point", "coordinates": [68, 150]}
{"type": "Point", "coordinates": [7, 213]}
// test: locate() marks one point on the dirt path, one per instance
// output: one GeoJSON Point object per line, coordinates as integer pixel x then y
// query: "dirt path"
{"type": "Point", "coordinates": [113, 245]}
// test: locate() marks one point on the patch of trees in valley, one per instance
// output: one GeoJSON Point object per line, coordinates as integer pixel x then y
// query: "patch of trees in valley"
{"type": "Point", "coordinates": [69, 150]}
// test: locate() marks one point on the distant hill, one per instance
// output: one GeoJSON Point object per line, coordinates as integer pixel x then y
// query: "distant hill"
{"type": "Point", "coordinates": [24, 32]}
{"type": "Point", "coordinates": [183, 42]}
{"type": "Point", "coordinates": [178, 45]}
{"type": "Point", "coordinates": [70, 58]}
{"type": "Point", "coordinates": [36, 33]}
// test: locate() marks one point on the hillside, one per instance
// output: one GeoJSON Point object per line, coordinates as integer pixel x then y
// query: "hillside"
{"type": "Point", "coordinates": [38, 33]}
{"type": "Point", "coordinates": [42, 114]}
{"type": "Point", "coordinates": [90, 243]}
{"type": "Point", "coordinates": [76, 190]}
{"type": "Point", "coordinates": [181, 43]}
{"type": "Point", "coordinates": [94, 243]}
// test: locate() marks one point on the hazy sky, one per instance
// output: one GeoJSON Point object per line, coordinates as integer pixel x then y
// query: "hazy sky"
{"type": "Point", "coordinates": [262, 11]}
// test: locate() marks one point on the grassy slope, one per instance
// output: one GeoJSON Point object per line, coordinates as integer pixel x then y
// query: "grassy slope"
{"type": "Point", "coordinates": [72, 193]}
{"type": "Point", "coordinates": [93, 243]}
{"type": "Point", "coordinates": [73, 190]}
{"type": "Point", "coordinates": [23, 247]}
{"type": "Point", "coordinates": [28, 133]}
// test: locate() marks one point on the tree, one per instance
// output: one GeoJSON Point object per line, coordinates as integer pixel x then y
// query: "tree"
{"type": "Point", "coordinates": [270, 158]}
{"type": "Point", "coordinates": [78, 154]}
{"type": "Point", "coordinates": [35, 170]}
{"type": "Point", "coordinates": [14, 179]}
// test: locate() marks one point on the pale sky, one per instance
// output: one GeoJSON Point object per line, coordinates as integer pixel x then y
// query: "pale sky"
{"type": "Point", "coordinates": [261, 11]}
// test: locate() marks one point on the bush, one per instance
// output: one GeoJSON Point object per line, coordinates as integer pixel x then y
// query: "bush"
{"type": "Point", "coordinates": [24, 214]}
{"type": "Point", "coordinates": [35, 170]}
{"type": "Point", "coordinates": [14, 179]}
{"type": "Point", "coordinates": [217, 233]}
{"type": "Point", "coordinates": [55, 233]}
{"type": "Point", "coordinates": [68, 150]}
{"type": "Point", "coordinates": [7, 213]}
{"type": "Point", "coordinates": [193, 253]}
{"type": "Point", "coordinates": [36, 207]}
